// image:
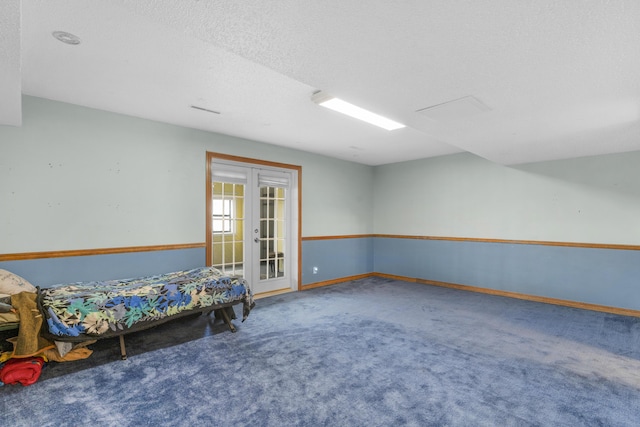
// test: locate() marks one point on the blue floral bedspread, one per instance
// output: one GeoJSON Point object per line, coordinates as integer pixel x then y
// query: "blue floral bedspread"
{"type": "Point", "coordinates": [114, 307]}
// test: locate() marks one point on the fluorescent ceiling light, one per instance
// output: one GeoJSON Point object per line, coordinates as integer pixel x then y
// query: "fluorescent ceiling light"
{"type": "Point", "coordinates": [354, 111]}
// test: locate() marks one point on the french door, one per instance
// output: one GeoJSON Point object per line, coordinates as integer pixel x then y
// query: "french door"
{"type": "Point", "coordinates": [253, 224]}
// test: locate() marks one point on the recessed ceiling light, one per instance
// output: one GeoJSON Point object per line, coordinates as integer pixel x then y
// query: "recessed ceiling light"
{"type": "Point", "coordinates": [65, 37]}
{"type": "Point", "coordinates": [354, 111]}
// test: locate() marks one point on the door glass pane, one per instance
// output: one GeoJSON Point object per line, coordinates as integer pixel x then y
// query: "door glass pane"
{"type": "Point", "coordinates": [227, 226]}
{"type": "Point", "coordinates": [272, 235]}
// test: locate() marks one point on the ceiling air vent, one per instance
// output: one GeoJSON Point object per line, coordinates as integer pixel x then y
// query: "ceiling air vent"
{"type": "Point", "coordinates": [195, 107]}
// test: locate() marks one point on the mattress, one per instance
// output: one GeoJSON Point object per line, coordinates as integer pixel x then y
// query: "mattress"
{"type": "Point", "coordinates": [102, 309]}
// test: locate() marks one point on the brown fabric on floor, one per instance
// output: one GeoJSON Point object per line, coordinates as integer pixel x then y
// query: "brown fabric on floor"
{"type": "Point", "coordinates": [28, 343]}
{"type": "Point", "coordinates": [78, 352]}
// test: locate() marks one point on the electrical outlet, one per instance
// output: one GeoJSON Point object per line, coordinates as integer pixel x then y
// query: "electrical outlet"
{"type": "Point", "coordinates": [315, 270]}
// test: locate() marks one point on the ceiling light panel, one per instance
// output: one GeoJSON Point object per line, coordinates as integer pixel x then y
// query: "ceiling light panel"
{"type": "Point", "coordinates": [337, 104]}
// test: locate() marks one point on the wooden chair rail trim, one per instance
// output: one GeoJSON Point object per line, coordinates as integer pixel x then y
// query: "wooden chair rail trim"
{"type": "Point", "coordinates": [481, 240]}
{"type": "Point", "coordinates": [100, 251]}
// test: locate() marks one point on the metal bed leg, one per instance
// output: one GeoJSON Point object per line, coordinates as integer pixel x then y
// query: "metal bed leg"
{"type": "Point", "coordinates": [227, 320]}
{"type": "Point", "coordinates": [123, 350]}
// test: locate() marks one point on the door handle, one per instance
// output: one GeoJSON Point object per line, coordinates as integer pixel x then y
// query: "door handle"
{"type": "Point", "coordinates": [257, 239]}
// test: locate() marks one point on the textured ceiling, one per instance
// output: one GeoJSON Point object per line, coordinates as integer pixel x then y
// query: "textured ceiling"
{"type": "Point", "coordinates": [560, 79]}
{"type": "Point", "coordinates": [10, 96]}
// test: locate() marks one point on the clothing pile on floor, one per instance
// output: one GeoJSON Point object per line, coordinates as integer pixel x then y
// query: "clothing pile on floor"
{"type": "Point", "coordinates": [25, 371]}
{"type": "Point", "coordinates": [31, 351]}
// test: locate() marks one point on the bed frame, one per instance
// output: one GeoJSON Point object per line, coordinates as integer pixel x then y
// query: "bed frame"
{"type": "Point", "coordinates": [219, 313]}
{"type": "Point", "coordinates": [86, 311]}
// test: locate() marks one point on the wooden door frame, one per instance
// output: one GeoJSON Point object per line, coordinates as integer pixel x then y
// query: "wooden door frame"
{"type": "Point", "coordinates": [249, 161]}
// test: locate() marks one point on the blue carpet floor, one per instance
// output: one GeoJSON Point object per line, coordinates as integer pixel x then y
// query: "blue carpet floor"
{"type": "Point", "coordinates": [373, 352]}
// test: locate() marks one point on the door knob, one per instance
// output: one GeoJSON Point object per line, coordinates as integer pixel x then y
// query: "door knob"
{"type": "Point", "coordinates": [257, 239]}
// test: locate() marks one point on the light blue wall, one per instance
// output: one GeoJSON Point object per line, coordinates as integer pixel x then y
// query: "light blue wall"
{"type": "Point", "coordinates": [336, 258]}
{"type": "Point", "coordinates": [76, 178]}
{"type": "Point", "coordinates": [47, 272]}
{"type": "Point", "coordinates": [596, 276]}
{"type": "Point", "coordinates": [590, 200]}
